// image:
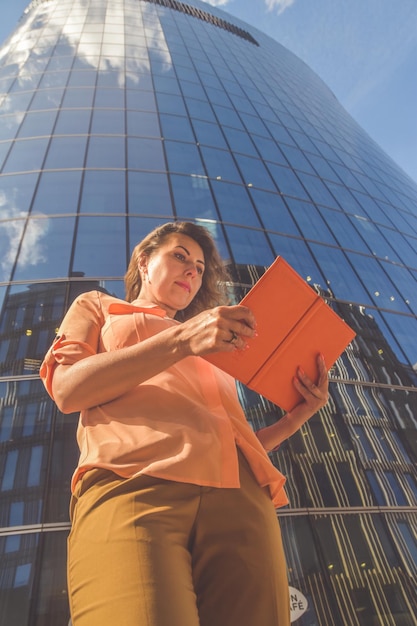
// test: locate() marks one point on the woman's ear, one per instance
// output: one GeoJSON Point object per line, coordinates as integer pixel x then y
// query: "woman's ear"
{"type": "Point", "coordinates": [143, 264]}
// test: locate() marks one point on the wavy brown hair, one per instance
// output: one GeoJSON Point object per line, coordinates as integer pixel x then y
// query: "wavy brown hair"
{"type": "Point", "coordinates": [213, 291]}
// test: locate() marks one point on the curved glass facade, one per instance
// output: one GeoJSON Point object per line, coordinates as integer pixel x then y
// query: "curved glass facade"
{"type": "Point", "coordinates": [118, 115]}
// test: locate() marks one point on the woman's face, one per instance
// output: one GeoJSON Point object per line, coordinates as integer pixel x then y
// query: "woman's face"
{"type": "Point", "coordinates": [172, 275]}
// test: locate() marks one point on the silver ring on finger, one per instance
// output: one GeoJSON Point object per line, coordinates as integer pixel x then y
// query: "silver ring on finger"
{"type": "Point", "coordinates": [234, 337]}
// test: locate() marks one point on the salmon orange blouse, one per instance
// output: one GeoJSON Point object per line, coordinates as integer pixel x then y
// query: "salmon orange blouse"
{"type": "Point", "coordinates": [183, 424]}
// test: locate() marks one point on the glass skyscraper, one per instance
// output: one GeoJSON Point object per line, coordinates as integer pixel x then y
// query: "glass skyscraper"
{"type": "Point", "coordinates": [118, 115]}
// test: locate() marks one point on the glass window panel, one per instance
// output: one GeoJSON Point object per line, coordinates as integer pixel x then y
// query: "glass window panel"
{"type": "Point", "coordinates": [220, 164]}
{"type": "Point", "coordinates": [6, 423]}
{"type": "Point", "coordinates": [340, 278]}
{"type": "Point", "coordinates": [16, 102]}
{"type": "Point", "coordinates": [249, 246]}
{"type": "Point", "coordinates": [109, 98]}
{"type": "Point", "coordinates": [200, 110]}
{"type": "Point", "coordinates": [404, 453]}
{"type": "Point", "coordinates": [26, 155]}
{"type": "Point", "coordinates": [193, 197]}
{"type": "Point", "coordinates": [254, 125]}
{"type": "Point", "coordinates": [66, 153]}
{"type": "Point", "coordinates": [15, 195]}
{"type": "Point", "coordinates": [103, 192]}
{"type": "Point", "coordinates": [317, 189]}
{"type": "Point", "coordinates": [287, 181]}
{"type": "Point", "coordinates": [166, 84]}
{"type": "Point", "coordinates": [347, 177]}
{"type": "Point", "coordinates": [145, 154]}
{"type": "Point", "coordinates": [35, 466]}
{"type": "Point", "coordinates": [383, 292]}
{"type": "Point", "coordinates": [404, 329]}
{"type": "Point", "coordinates": [412, 483]}
{"type": "Point", "coordinates": [346, 200]}
{"type": "Point", "coordinates": [192, 90]}
{"type": "Point", "coordinates": [405, 282]}
{"type": "Point", "coordinates": [54, 79]}
{"type": "Point", "coordinates": [406, 247]}
{"type": "Point", "coordinates": [176, 127]}
{"type": "Point", "coordinates": [78, 98]}
{"type": "Point", "coordinates": [9, 125]}
{"type": "Point", "coordinates": [16, 516]}
{"type": "Point", "coordinates": [4, 148]}
{"type": "Point", "coordinates": [280, 134]}
{"type": "Point", "coordinates": [269, 150]}
{"type": "Point", "coordinates": [108, 122]}
{"type": "Point", "coordinates": [57, 193]}
{"type": "Point", "coordinates": [240, 141]}
{"type": "Point", "coordinates": [296, 159]}
{"type": "Point", "coordinates": [110, 78]}
{"type": "Point", "coordinates": [378, 244]}
{"type": "Point", "coordinates": [329, 544]}
{"type": "Point", "coordinates": [308, 219]}
{"type": "Point", "coordinates": [10, 235]}
{"type": "Point", "coordinates": [84, 78]}
{"type": "Point", "coordinates": [327, 491]}
{"type": "Point", "coordinates": [254, 172]}
{"type": "Point", "coordinates": [82, 62]}
{"type": "Point", "coordinates": [234, 204]}
{"type": "Point", "coordinates": [186, 74]}
{"type": "Point", "coordinates": [373, 210]}
{"type": "Point", "coordinates": [217, 96]}
{"type": "Point", "coordinates": [71, 122]}
{"type": "Point", "coordinates": [387, 451]}
{"type": "Point", "coordinates": [168, 103]}
{"type": "Point", "coordinates": [141, 100]}
{"type": "Point", "coordinates": [410, 541]}
{"type": "Point", "coordinates": [228, 117]}
{"type": "Point", "coordinates": [367, 451]}
{"type": "Point", "coordinates": [36, 124]}
{"type": "Point", "coordinates": [183, 157]}
{"type": "Point", "coordinates": [47, 99]}
{"type": "Point", "coordinates": [9, 470]}
{"type": "Point", "coordinates": [343, 230]}
{"type": "Point", "coordinates": [209, 134]}
{"type": "Point", "coordinates": [22, 575]}
{"type": "Point", "coordinates": [106, 152]}
{"type": "Point", "coordinates": [273, 212]}
{"type": "Point", "coordinates": [100, 246]}
{"type": "Point", "coordinates": [139, 227]}
{"type": "Point", "coordinates": [323, 168]}
{"type": "Point", "coordinates": [149, 193]}
{"type": "Point", "coordinates": [394, 483]}
{"type": "Point", "coordinates": [143, 124]}
{"type": "Point", "coordinates": [60, 63]}
{"type": "Point", "coordinates": [46, 249]}
{"type": "Point", "coordinates": [26, 81]}
{"type": "Point", "coordinates": [243, 105]}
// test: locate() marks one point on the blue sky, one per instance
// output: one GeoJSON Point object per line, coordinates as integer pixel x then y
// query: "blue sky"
{"type": "Point", "coordinates": [364, 50]}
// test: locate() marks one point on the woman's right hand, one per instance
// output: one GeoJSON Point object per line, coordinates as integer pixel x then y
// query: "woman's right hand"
{"type": "Point", "coordinates": [221, 329]}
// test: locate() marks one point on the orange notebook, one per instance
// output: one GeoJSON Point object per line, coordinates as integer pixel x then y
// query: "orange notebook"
{"type": "Point", "coordinates": [294, 324]}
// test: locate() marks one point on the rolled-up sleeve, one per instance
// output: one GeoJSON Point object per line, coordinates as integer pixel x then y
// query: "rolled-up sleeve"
{"type": "Point", "coordinates": [78, 336]}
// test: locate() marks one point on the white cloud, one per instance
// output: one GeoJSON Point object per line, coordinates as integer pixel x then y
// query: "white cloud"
{"type": "Point", "coordinates": [280, 5]}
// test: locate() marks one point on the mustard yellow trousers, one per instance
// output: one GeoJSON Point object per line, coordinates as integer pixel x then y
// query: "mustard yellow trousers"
{"type": "Point", "coordinates": [151, 552]}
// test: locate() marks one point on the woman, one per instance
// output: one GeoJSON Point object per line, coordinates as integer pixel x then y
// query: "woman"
{"type": "Point", "coordinates": [174, 497]}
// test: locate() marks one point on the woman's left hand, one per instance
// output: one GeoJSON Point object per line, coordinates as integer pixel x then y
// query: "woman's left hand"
{"type": "Point", "coordinates": [315, 395]}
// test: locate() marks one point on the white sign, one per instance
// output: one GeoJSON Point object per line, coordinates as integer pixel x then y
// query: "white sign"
{"type": "Point", "coordinates": [298, 604]}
